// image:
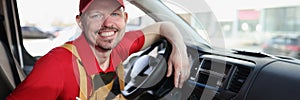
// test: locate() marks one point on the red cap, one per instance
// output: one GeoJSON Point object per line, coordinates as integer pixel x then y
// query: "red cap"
{"type": "Point", "coordinates": [84, 4]}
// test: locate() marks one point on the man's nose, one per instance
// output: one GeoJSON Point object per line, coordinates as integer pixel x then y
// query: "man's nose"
{"type": "Point", "coordinates": [108, 21]}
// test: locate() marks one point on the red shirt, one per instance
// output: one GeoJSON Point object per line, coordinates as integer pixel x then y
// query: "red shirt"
{"type": "Point", "coordinates": [54, 75]}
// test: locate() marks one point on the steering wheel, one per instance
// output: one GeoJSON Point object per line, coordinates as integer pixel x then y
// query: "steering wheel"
{"type": "Point", "coordinates": [148, 73]}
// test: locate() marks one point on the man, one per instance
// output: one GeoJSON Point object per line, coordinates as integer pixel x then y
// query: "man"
{"type": "Point", "coordinates": [74, 69]}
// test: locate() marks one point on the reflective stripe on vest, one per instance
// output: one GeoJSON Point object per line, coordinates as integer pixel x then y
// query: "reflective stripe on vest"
{"type": "Point", "coordinates": [102, 92]}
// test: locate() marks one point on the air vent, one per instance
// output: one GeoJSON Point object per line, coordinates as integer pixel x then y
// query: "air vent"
{"type": "Point", "coordinates": [238, 79]}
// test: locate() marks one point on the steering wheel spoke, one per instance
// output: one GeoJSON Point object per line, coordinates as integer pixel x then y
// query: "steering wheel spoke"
{"type": "Point", "coordinates": [148, 73]}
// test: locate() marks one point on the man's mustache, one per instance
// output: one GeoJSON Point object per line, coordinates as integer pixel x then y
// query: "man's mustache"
{"type": "Point", "coordinates": [106, 28]}
{"type": "Point", "coordinates": [109, 28]}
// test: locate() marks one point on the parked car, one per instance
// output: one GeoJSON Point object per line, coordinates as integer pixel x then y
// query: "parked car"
{"type": "Point", "coordinates": [288, 46]}
{"type": "Point", "coordinates": [216, 73]}
{"type": "Point", "coordinates": [31, 32]}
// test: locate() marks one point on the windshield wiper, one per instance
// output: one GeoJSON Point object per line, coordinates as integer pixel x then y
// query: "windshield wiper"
{"type": "Point", "coordinates": [251, 53]}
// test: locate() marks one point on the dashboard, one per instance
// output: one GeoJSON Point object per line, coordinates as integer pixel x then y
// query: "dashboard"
{"type": "Point", "coordinates": [241, 75]}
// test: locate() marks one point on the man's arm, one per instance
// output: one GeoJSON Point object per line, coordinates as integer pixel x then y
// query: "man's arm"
{"type": "Point", "coordinates": [43, 82]}
{"type": "Point", "coordinates": [178, 58]}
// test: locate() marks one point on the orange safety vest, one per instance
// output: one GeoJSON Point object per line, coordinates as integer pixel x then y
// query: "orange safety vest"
{"type": "Point", "coordinates": [102, 92]}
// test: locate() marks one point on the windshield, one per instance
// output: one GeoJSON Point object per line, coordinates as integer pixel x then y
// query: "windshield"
{"type": "Point", "coordinates": [198, 15]}
{"type": "Point", "coordinates": [244, 25]}
{"type": "Point", "coordinates": [186, 12]}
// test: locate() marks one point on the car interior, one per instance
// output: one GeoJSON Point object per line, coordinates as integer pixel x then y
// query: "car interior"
{"type": "Point", "coordinates": [10, 71]}
{"type": "Point", "coordinates": [216, 74]}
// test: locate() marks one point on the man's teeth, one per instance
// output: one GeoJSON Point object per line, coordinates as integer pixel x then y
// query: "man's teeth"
{"type": "Point", "coordinates": [107, 34]}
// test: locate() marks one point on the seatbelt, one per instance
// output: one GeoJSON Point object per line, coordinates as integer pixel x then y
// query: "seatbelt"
{"type": "Point", "coordinates": [103, 91]}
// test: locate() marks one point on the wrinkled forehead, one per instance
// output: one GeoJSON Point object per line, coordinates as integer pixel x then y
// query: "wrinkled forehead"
{"type": "Point", "coordinates": [105, 6]}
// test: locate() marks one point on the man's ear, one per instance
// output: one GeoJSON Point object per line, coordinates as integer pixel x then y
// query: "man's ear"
{"type": "Point", "coordinates": [78, 20]}
{"type": "Point", "coordinates": [125, 17]}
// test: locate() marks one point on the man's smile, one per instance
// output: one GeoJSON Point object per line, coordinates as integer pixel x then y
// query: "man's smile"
{"type": "Point", "coordinates": [106, 34]}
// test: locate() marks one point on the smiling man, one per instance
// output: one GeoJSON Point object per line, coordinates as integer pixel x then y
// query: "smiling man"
{"type": "Point", "coordinates": [90, 67]}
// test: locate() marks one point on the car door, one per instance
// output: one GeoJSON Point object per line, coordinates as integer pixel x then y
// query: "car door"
{"type": "Point", "coordinates": [11, 62]}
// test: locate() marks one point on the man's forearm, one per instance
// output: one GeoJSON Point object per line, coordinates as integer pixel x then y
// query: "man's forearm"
{"type": "Point", "coordinates": [163, 29]}
{"type": "Point", "coordinates": [172, 34]}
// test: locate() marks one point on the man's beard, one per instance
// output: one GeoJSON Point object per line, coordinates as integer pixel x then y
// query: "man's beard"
{"type": "Point", "coordinates": [98, 43]}
{"type": "Point", "coordinates": [113, 43]}
{"type": "Point", "coordinates": [99, 46]}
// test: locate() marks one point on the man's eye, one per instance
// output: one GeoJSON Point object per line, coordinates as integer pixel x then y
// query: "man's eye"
{"type": "Point", "coordinates": [96, 16]}
{"type": "Point", "coordinates": [115, 14]}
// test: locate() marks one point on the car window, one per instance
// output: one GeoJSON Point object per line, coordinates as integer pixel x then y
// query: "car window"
{"type": "Point", "coordinates": [59, 23]}
{"type": "Point", "coordinates": [292, 41]}
{"type": "Point", "coordinates": [238, 26]}
{"type": "Point", "coordinates": [279, 40]}
{"type": "Point", "coordinates": [137, 18]}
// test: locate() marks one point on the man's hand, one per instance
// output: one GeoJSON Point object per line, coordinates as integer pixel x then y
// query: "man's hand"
{"type": "Point", "coordinates": [180, 62]}
{"type": "Point", "coordinates": [178, 58]}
